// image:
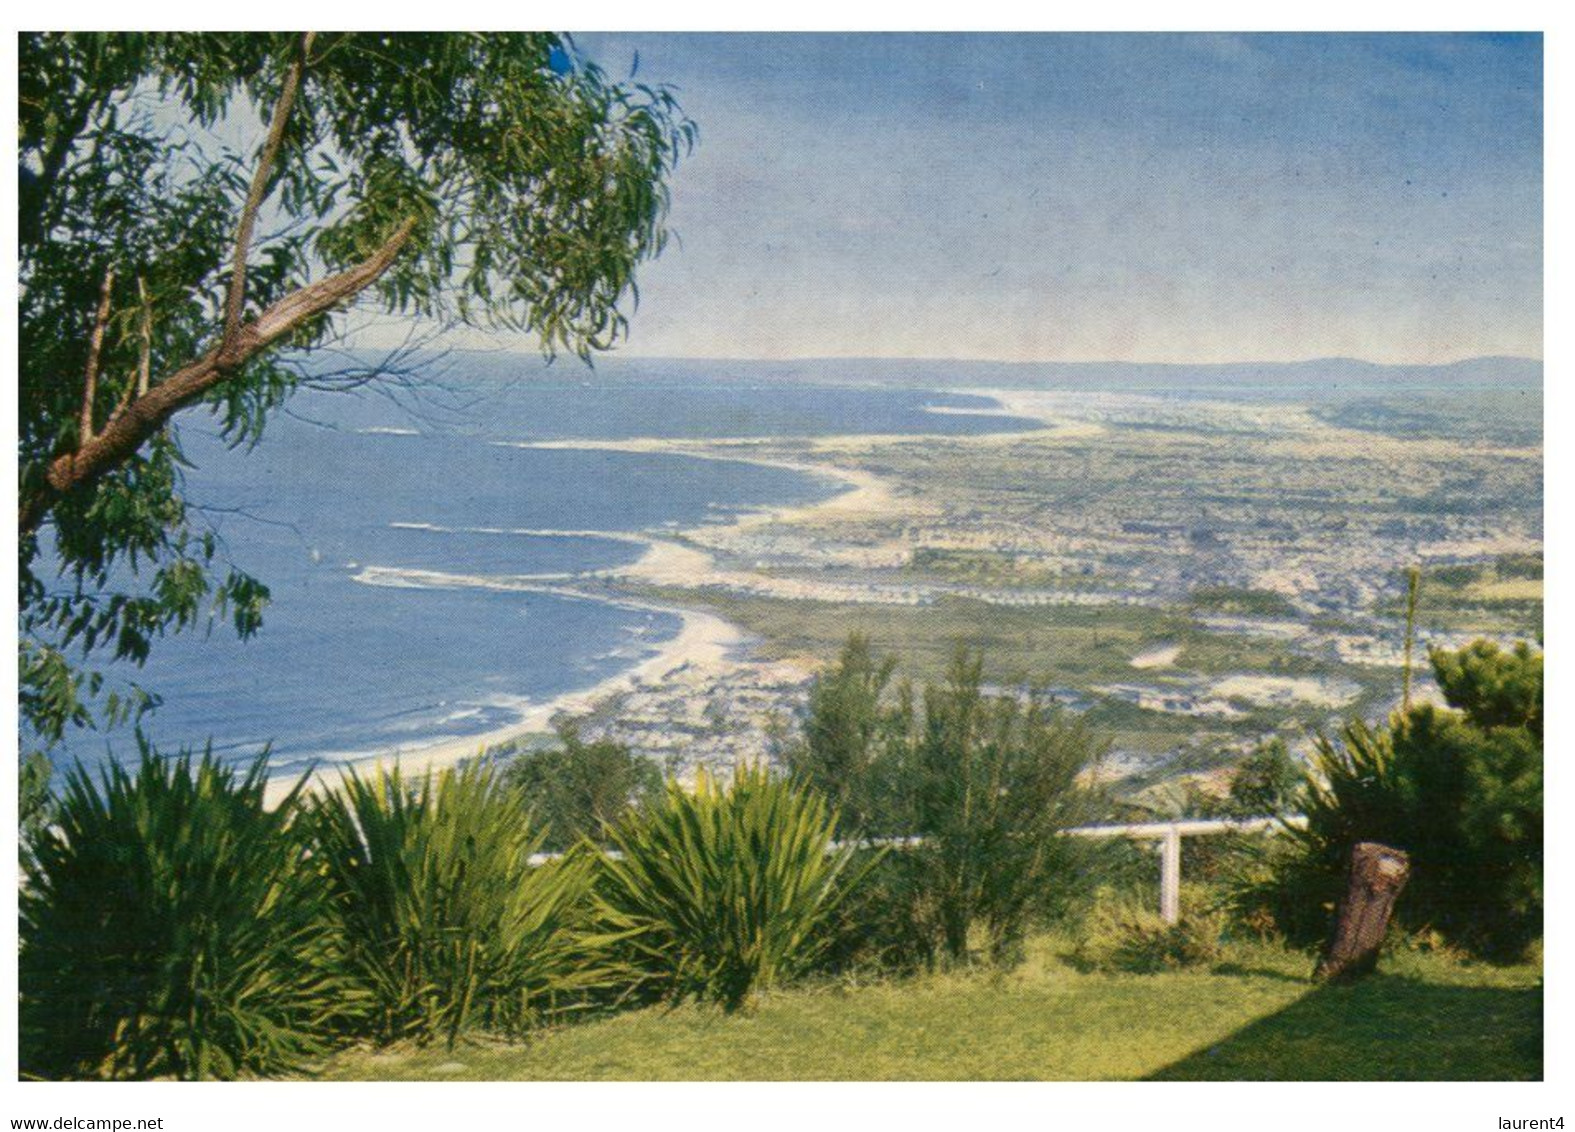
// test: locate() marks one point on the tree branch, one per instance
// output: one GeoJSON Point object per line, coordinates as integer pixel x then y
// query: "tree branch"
{"type": "Point", "coordinates": [143, 417]}
{"type": "Point", "coordinates": [33, 223]}
{"type": "Point", "coordinates": [95, 347]}
{"type": "Point", "coordinates": [145, 336]}
{"type": "Point", "coordinates": [235, 301]}
{"type": "Point", "coordinates": [138, 385]}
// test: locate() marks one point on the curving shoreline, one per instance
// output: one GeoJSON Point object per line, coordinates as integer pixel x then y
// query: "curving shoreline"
{"type": "Point", "coordinates": [705, 642]}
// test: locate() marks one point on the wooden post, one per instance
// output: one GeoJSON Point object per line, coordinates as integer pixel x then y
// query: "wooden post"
{"type": "Point", "coordinates": [1170, 875]}
{"type": "Point", "coordinates": [1373, 883]}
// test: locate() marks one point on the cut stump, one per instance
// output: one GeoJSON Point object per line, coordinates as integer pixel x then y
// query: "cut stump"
{"type": "Point", "coordinates": [1373, 883]}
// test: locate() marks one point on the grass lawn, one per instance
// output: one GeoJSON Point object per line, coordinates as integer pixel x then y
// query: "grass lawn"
{"type": "Point", "coordinates": [1256, 1017]}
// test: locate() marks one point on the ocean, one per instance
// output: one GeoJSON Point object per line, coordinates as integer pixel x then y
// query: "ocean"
{"type": "Point", "coordinates": [410, 545]}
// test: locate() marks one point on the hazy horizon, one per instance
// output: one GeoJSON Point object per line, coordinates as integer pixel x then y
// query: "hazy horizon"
{"type": "Point", "coordinates": [487, 341]}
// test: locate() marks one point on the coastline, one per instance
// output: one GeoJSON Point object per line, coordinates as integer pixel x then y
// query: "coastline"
{"type": "Point", "coordinates": [692, 563]}
{"type": "Point", "coordinates": [703, 642]}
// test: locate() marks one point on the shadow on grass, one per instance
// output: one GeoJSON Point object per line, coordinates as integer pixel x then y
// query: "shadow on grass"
{"type": "Point", "coordinates": [1246, 971]}
{"type": "Point", "coordinates": [1382, 1028]}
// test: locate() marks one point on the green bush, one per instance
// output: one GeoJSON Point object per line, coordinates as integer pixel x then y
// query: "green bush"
{"type": "Point", "coordinates": [885, 926]}
{"type": "Point", "coordinates": [726, 890]}
{"type": "Point", "coordinates": [34, 799]}
{"type": "Point", "coordinates": [1265, 783]}
{"type": "Point", "coordinates": [1460, 791]}
{"type": "Point", "coordinates": [844, 733]}
{"type": "Point", "coordinates": [985, 784]}
{"type": "Point", "coordinates": [171, 926]}
{"type": "Point", "coordinates": [577, 790]}
{"type": "Point", "coordinates": [1124, 935]}
{"type": "Point", "coordinates": [448, 926]}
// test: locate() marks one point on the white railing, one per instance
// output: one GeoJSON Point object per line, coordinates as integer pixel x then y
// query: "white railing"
{"type": "Point", "coordinates": [1169, 835]}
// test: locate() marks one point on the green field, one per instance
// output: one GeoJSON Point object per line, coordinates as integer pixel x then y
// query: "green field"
{"type": "Point", "coordinates": [1057, 645]}
{"type": "Point", "coordinates": [1500, 597]}
{"type": "Point", "coordinates": [1076, 647]}
{"type": "Point", "coordinates": [1255, 1017]}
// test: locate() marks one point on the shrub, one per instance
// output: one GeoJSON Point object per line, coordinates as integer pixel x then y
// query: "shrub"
{"type": "Point", "coordinates": [985, 783]}
{"type": "Point", "coordinates": [448, 926]}
{"type": "Point", "coordinates": [578, 789]}
{"type": "Point", "coordinates": [844, 732]}
{"type": "Point", "coordinates": [726, 890]}
{"type": "Point", "coordinates": [1491, 687]}
{"type": "Point", "coordinates": [34, 800]}
{"type": "Point", "coordinates": [1460, 791]}
{"type": "Point", "coordinates": [1122, 935]}
{"type": "Point", "coordinates": [988, 783]}
{"type": "Point", "coordinates": [171, 926]}
{"type": "Point", "coordinates": [885, 926]}
{"type": "Point", "coordinates": [1265, 783]}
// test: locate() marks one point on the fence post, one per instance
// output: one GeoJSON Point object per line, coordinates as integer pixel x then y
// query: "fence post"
{"type": "Point", "coordinates": [1170, 875]}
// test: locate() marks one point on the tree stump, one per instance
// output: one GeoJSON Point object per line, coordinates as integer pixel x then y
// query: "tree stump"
{"type": "Point", "coordinates": [1373, 883]}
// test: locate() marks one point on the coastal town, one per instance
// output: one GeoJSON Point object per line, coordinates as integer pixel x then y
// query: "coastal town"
{"type": "Point", "coordinates": [1232, 570]}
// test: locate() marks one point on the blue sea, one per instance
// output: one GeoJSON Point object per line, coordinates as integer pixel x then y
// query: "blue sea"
{"type": "Point", "coordinates": [429, 488]}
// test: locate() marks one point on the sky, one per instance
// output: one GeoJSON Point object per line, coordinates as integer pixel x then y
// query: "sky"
{"type": "Point", "coordinates": [1097, 197]}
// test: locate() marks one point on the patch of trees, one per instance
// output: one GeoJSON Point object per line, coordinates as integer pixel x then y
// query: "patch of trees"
{"type": "Point", "coordinates": [1458, 788]}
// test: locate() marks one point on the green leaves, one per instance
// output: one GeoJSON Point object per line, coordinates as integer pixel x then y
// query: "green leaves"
{"type": "Point", "coordinates": [171, 927]}
{"type": "Point", "coordinates": [726, 890]}
{"type": "Point", "coordinates": [532, 195]}
{"type": "Point", "coordinates": [844, 733]}
{"type": "Point", "coordinates": [577, 791]}
{"type": "Point", "coordinates": [1494, 687]}
{"type": "Point", "coordinates": [448, 926]}
{"type": "Point", "coordinates": [987, 781]}
{"type": "Point", "coordinates": [1461, 792]}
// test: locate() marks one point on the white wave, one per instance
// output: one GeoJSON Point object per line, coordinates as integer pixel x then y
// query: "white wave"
{"type": "Point", "coordinates": [521, 532]}
{"type": "Point", "coordinates": [996, 410]}
{"type": "Point", "coordinates": [385, 430]}
{"type": "Point", "coordinates": [619, 653]}
{"type": "Point", "coordinates": [398, 577]}
{"type": "Point", "coordinates": [704, 642]}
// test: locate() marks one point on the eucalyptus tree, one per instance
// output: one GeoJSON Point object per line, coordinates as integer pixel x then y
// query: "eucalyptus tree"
{"type": "Point", "coordinates": [197, 213]}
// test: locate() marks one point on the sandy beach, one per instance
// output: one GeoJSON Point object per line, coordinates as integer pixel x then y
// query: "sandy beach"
{"type": "Point", "coordinates": [704, 642]}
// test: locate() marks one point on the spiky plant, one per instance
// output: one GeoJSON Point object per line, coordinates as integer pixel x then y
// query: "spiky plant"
{"type": "Point", "coordinates": [1350, 793]}
{"type": "Point", "coordinates": [449, 927]}
{"type": "Point", "coordinates": [1460, 791]}
{"type": "Point", "coordinates": [171, 926]}
{"type": "Point", "coordinates": [726, 889]}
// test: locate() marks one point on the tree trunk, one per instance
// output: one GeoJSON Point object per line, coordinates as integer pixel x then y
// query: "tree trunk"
{"type": "Point", "coordinates": [1376, 876]}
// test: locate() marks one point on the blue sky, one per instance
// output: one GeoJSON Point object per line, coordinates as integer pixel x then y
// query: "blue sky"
{"type": "Point", "coordinates": [1073, 197]}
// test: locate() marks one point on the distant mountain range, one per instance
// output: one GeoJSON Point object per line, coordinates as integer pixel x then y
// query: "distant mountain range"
{"type": "Point", "coordinates": [1325, 374]}
{"type": "Point", "coordinates": [1320, 376]}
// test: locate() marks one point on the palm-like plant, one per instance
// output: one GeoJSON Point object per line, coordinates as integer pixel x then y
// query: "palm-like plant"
{"type": "Point", "coordinates": [449, 926]}
{"type": "Point", "coordinates": [171, 927]}
{"type": "Point", "coordinates": [1350, 793]}
{"type": "Point", "coordinates": [726, 890]}
{"type": "Point", "coordinates": [1464, 800]}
